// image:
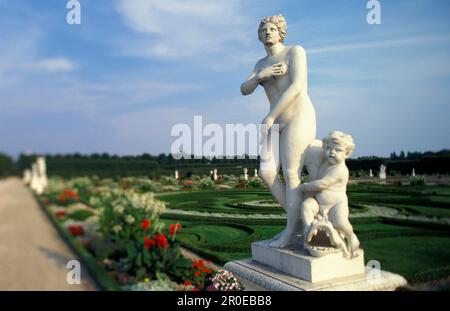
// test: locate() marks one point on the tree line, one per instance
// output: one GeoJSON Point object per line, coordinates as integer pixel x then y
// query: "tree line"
{"type": "Point", "coordinates": [153, 166]}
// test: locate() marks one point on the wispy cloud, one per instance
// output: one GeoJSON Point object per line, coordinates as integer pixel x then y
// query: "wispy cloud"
{"type": "Point", "coordinates": [22, 57]}
{"type": "Point", "coordinates": [109, 95]}
{"type": "Point", "coordinates": [379, 44]}
{"type": "Point", "coordinates": [179, 29]}
{"type": "Point", "coordinates": [57, 64]}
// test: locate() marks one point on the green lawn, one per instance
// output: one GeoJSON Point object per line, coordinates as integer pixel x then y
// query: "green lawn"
{"type": "Point", "coordinates": [218, 201]}
{"type": "Point", "coordinates": [427, 201]}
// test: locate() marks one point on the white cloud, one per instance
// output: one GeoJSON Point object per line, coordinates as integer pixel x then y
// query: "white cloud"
{"type": "Point", "coordinates": [108, 95]}
{"type": "Point", "coordinates": [178, 29]}
{"type": "Point", "coordinates": [379, 44]}
{"type": "Point", "coordinates": [54, 64]}
{"type": "Point", "coordinates": [19, 55]}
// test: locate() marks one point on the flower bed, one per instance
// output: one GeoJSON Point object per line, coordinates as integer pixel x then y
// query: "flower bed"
{"type": "Point", "coordinates": [120, 230]}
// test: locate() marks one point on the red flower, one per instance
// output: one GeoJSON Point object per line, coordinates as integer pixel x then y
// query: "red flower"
{"type": "Point", "coordinates": [68, 194]}
{"type": "Point", "coordinates": [161, 241]}
{"type": "Point", "coordinates": [60, 214]}
{"type": "Point", "coordinates": [195, 289]}
{"type": "Point", "coordinates": [76, 230]}
{"type": "Point", "coordinates": [187, 283]}
{"type": "Point", "coordinates": [148, 242]}
{"type": "Point", "coordinates": [198, 263]}
{"type": "Point", "coordinates": [197, 273]}
{"type": "Point", "coordinates": [206, 270]}
{"type": "Point", "coordinates": [174, 228]}
{"type": "Point", "coordinates": [145, 224]}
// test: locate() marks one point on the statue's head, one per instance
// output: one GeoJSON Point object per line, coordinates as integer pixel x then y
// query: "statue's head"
{"type": "Point", "coordinates": [338, 146]}
{"type": "Point", "coordinates": [267, 28]}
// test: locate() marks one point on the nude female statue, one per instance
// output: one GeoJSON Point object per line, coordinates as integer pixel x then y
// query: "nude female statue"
{"type": "Point", "coordinates": [283, 74]}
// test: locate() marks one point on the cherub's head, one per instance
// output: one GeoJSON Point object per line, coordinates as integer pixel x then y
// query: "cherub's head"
{"type": "Point", "coordinates": [268, 34]}
{"type": "Point", "coordinates": [337, 147]}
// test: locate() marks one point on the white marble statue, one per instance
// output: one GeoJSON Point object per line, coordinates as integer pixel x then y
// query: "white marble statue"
{"type": "Point", "coordinates": [283, 75]}
{"type": "Point", "coordinates": [176, 174]}
{"type": "Point", "coordinates": [382, 173]}
{"type": "Point", "coordinates": [255, 173]}
{"type": "Point", "coordinates": [34, 176]}
{"type": "Point", "coordinates": [215, 177]}
{"type": "Point", "coordinates": [370, 173]}
{"type": "Point", "coordinates": [325, 207]}
{"type": "Point", "coordinates": [413, 173]}
{"type": "Point", "coordinates": [245, 174]}
{"type": "Point", "coordinates": [327, 256]}
{"type": "Point", "coordinates": [37, 182]}
{"type": "Point", "coordinates": [42, 166]}
{"type": "Point", "coordinates": [26, 177]}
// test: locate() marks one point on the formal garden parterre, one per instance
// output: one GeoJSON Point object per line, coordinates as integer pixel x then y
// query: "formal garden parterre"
{"type": "Point", "coordinates": [131, 230]}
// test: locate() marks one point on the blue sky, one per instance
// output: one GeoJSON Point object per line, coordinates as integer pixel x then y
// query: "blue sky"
{"type": "Point", "coordinates": [118, 82]}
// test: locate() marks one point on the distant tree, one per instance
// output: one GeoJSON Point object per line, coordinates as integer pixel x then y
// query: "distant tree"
{"type": "Point", "coordinates": [7, 165]}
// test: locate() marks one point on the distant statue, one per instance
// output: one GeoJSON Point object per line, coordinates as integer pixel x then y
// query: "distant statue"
{"type": "Point", "coordinates": [382, 174]}
{"type": "Point", "coordinates": [325, 210]}
{"type": "Point", "coordinates": [42, 166]}
{"type": "Point", "coordinates": [370, 173]}
{"type": "Point", "coordinates": [413, 174]}
{"type": "Point", "coordinates": [283, 75]}
{"type": "Point", "coordinates": [37, 182]}
{"type": "Point", "coordinates": [245, 174]}
{"type": "Point", "coordinates": [26, 178]}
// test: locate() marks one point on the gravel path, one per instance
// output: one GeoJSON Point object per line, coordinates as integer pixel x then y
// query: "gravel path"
{"type": "Point", "coordinates": [32, 254]}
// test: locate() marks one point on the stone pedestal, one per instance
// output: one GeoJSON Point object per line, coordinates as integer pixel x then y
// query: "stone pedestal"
{"type": "Point", "coordinates": [293, 269]}
{"type": "Point", "coordinates": [297, 262]}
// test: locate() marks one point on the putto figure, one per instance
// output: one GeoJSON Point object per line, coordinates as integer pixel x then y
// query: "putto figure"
{"type": "Point", "coordinates": [326, 208]}
{"type": "Point", "coordinates": [283, 75]}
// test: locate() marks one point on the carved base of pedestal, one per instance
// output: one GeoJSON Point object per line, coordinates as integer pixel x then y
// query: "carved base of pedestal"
{"type": "Point", "coordinates": [296, 262]}
{"type": "Point", "coordinates": [260, 277]}
{"type": "Point", "coordinates": [294, 269]}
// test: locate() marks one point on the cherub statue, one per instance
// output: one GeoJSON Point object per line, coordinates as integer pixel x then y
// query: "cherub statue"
{"type": "Point", "coordinates": [326, 205]}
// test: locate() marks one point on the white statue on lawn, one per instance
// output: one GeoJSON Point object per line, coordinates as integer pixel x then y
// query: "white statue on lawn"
{"type": "Point", "coordinates": [319, 206]}
{"type": "Point", "coordinates": [325, 210]}
{"type": "Point", "coordinates": [283, 75]}
{"type": "Point", "coordinates": [37, 183]}
{"type": "Point", "coordinates": [382, 174]}
{"type": "Point", "coordinates": [42, 165]}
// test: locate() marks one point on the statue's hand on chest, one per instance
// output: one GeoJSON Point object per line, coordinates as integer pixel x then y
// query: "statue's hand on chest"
{"type": "Point", "coordinates": [273, 70]}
